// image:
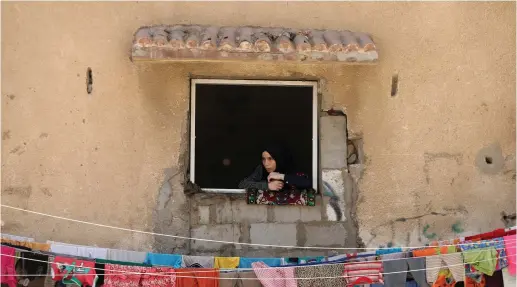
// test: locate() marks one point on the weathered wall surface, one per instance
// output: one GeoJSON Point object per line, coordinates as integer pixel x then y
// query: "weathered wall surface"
{"type": "Point", "coordinates": [117, 156]}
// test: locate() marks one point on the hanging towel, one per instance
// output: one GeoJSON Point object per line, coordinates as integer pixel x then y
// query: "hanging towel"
{"type": "Point", "coordinates": [365, 272]}
{"type": "Point", "coordinates": [482, 259]}
{"type": "Point", "coordinates": [226, 262]}
{"type": "Point", "coordinates": [172, 260]}
{"type": "Point", "coordinates": [274, 277]}
{"type": "Point", "coordinates": [388, 251]}
{"type": "Point", "coordinates": [452, 261]}
{"type": "Point", "coordinates": [126, 256]}
{"type": "Point", "coordinates": [78, 250]}
{"type": "Point", "coordinates": [332, 270]}
{"type": "Point", "coordinates": [122, 275]}
{"type": "Point", "coordinates": [116, 262]}
{"type": "Point", "coordinates": [193, 277]}
{"type": "Point", "coordinates": [74, 271]}
{"type": "Point", "coordinates": [159, 276]}
{"type": "Point", "coordinates": [395, 270]}
{"type": "Point", "coordinates": [497, 243]}
{"type": "Point", "coordinates": [197, 262]}
{"type": "Point", "coordinates": [510, 242]}
{"type": "Point", "coordinates": [246, 262]}
{"type": "Point", "coordinates": [7, 266]}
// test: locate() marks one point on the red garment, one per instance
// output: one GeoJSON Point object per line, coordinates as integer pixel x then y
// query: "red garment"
{"type": "Point", "coordinates": [166, 277]}
{"type": "Point", "coordinates": [120, 275]}
{"type": "Point", "coordinates": [359, 273]}
{"type": "Point", "coordinates": [71, 269]}
{"type": "Point", "coordinates": [490, 235]}
{"type": "Point", "coordinates": [7, 266]}
{"type": "Point", "coordinates": [194, 280]}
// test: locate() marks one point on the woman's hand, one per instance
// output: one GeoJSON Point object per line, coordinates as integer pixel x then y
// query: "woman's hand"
{"type": "Point", "coordinates": [275, 185]}
{"type": "Point", "coordinates": [275, 175]}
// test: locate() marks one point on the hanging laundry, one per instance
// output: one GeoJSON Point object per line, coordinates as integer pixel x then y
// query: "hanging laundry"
{"type": "Point", "coordinates": [388, 251]}
{"type": "Point", "coordinates": [172, 260]}
{"type": "Point", "coordinates": [488, 236]}
{"type": "Point", "coordinates": [497, 243]}
{"type": "Point", "coordinates": [158, 276]}
{"type": "Point", "coordinates": [509, 245]}
{"type": "Point", "coordinates": [444, 279]}
{"type": "Point", "coordinates": [78, 250]}
{"type": "Point", "coordinates": [359, 273]}
{"type": "Point", "coordinates": [74, 271]}
{"type": "Point", "coordinates": [197, 277]}
{"type": "Point", "coordinates": [396, 267]}
{"type": "Point", "coordinates": [226, 262]}
{"type": "Point", "coordinates": [483, 259]}
{"type": "Point", "coordinates": [496, 280]}
{"type": "Point", "coordinates": [239, 279]}
{"type": "Point", "coordinates": [332, 270]}
{"type": "Point", "coordinates": [16, 237]}
{"type": "Point", "coordinates": [8, 266]}
{"type": "Point", "coordinates": [274, 277]}
{"type": "Point", "coordinates": [126, 256]}
{"type": "Point", "coordinates": [287, 261]}
{"type": "Point", "coordinates": [246, 262]}
{"type": "Point", "coordinates": [27, 244]}
{"type": "Point", "coordinates": [451, 261]}
{"type": "Point", "coordinates": [508, 279]}
{"type": "Point", "coordinates": [197, 261]}
{"type": "Point", "coordinates": [430, 251]}
{"type": "Point", "coordinates": [478, 281]}
{"type": "Point", "coordinates": [115, 262]}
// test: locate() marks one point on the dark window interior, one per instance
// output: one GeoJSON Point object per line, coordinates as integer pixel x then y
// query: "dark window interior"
{"type": "Point", "coordinates": [235, 122]}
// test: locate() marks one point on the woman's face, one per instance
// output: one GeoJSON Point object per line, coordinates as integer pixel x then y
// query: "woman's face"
{"type": "Point", "coordinates": [268, 162]}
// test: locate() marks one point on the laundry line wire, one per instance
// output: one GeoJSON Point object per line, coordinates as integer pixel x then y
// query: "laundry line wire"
{"type": "Point", "coordinates": [213, 240]}
{"type": "Point", "coordinates": [325, 263]}
{"type": "Point", "coordinates": [274, 278]}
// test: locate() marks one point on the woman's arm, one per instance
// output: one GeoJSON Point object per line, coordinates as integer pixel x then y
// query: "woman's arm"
{"type": "Point", "coordinates": [254, 180]}
{"type": "Point", "coordinates": [299, 180]}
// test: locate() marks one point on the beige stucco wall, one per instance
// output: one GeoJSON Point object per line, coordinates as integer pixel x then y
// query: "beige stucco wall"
{"type": "Point", "coordinates": [103, 157]}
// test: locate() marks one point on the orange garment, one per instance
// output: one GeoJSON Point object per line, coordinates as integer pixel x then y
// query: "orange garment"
{"type": "Point", "coordinates": [444, 279]}
{"type": "Point", "coordinates": [434, 251]}
{"type": "Point", "coordinates": [471, 282]}
{"type": "Point", "coordinates": [194, 280]}
{"type": "Point", "coordinates": [445, 242]}
{"type": "Point", "coordinates": [31, 245]}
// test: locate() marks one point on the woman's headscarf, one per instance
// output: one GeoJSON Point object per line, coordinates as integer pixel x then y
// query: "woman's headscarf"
{"type": "Point", "coordinates": [282, 157]}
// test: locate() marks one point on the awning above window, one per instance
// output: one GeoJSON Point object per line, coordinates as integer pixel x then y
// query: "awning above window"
{"type": "Point", "coordinates": [181, 42]}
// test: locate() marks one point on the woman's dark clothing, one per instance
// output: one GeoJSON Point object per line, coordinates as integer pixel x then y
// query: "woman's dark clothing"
{"type": "Point", "coordinates": [258, 180]}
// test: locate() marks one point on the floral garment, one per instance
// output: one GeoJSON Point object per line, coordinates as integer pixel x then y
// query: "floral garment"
{"type": "Point", "coordinates": [284, 197]}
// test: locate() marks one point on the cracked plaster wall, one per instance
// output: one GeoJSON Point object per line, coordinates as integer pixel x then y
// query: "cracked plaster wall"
{"type": "Point", "coordinates": [109, 156]}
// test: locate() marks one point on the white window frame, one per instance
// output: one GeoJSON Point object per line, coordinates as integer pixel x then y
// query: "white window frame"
{"type": "Point", "coordinates": [315, 128]}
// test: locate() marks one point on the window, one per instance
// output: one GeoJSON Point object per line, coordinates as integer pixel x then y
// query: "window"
{"type": "Point", "coordinates": [233, 120]}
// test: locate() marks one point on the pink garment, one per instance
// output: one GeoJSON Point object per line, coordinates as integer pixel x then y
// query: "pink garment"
{"type": "Point", "coordinates": [7, 266]}
{"type": "Point", "coordinates": [509, 242]}
{"type": "Point", "coordinates": [274, 276]}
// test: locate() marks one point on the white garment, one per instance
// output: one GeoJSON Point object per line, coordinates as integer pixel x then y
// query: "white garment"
{"type": "Point", "coordinates": [508, 280]}
{"type": "Point", "coordinates": [78, 250]}
{"type": "Point", "coordinates": [17, 238]}
{"type": "Point", "coordinates": [126, 256]}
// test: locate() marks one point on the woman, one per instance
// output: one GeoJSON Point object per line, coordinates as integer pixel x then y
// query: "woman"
{"type": "Point", "coordinates": [273, 182]}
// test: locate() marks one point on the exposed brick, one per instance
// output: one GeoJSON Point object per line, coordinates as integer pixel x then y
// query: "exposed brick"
{"type": "Point", "coordinates": [273, 233]}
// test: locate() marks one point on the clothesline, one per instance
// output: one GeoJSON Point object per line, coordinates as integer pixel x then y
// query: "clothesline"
{"type": "Point", "coordinates": [223, 241]}
{"type": "Point", "coordinates": [218, 278]}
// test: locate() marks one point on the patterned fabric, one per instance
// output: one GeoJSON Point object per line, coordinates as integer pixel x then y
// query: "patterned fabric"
{"type": "Point", "coordinates": [475, 281]}
{"type": "Point", "coordinates": [152, 280]}
{"type": "Point", "coordinates": [452, 261]}
{"type": "Point", "coordinates": [74, 271]}
{"type": "Point", "coordinates": [333, 270]}
{"type": "Point", "coordinates": [274, 277]}
{"type": "Point", "coordinates": [120, 275]}
{"type": "Point", "coordinates": [497, 243]}
{"type": "Point", "coordinates": [444, 279]}
{"type": "Point", "coordinates": [284, 197]}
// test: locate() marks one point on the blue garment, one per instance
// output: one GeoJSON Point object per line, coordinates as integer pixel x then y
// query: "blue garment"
{"type": "Point", "coordinates": [411, 284]}
{"type": "Point", "coordinates": [171, 260]}
{"type": "Point", "coordinates": [388, 251]}
{"type": "Point", "coordinates": [271, 262]}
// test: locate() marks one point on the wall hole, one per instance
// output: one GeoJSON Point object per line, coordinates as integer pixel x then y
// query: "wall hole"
{"type": "Point", "coordinates": [488, 159]}
{"type": "Point", "coordinates": [394, 85]}
{"type": "Point", "coordinates": [89, 80]}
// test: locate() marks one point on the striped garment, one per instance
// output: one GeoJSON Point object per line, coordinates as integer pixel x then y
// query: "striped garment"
{"type": "Point", "coordinates": [363, 273]}
{"type": "Point", "coordinates": [452, 261]}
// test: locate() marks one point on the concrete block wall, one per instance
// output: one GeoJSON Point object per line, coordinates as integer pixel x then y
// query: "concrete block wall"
{"type": "Point", "coordinates": [328, 224]}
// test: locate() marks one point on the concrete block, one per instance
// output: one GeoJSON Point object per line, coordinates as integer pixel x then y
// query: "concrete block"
{"type": "Point", "coordinates": [287, 213]}
{"type": "Point", "coordinates": [224, 232]}
{"type": "Point", "coordinates": [310, 213]}
{"type": "Point", "coordinates": [325, 234]}
{"type": "Point", "coordinates": [224, 212]}
{"type": "Point", "coordinates": [204, 214]}
{"type": "Point", "coordinates": [333, 143]}
{"type": "Point", "coordinates": [248, 212]}
{"type": "Point", "coordinates": [334, 190]}
{"type": "Point", "coordinates": [273, 233]}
